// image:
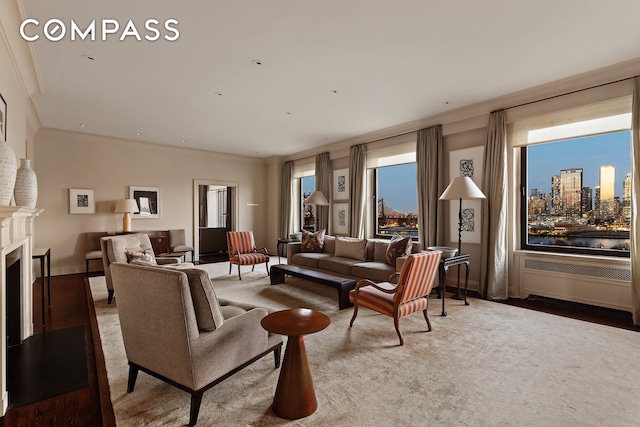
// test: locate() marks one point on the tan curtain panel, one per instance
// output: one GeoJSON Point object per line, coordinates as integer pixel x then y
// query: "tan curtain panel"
{"type": "Point", "coordinates": [285, 205]}
{"type": "Point", "coordinates": [494, 262]}
{"type": "Point", "coordinates": [429, 181]}
{"type": "Point", "coordinates": [357, 181]}
{"type": "Point", "coordinates": [323, 183]}
{"type": "Point", "coordinates": [635, 203]}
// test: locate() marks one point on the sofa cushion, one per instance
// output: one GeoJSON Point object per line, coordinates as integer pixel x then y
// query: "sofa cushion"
{"type": "Point", "coordinates": [208, 313]}
{"type": "Point", "coordinates": [329, 244]}
{"type": "Point", "coordinates": [376, 271]}
{"type": "Point", "coordinates": [142, 255]}
{"type": "Point", "coordinates": [398, 246]}
{"type": "Point", "coordinates": [336, 264]}
{"type": "Point", "coordinates": [312, 242]}
{"type": "Point", "coordinates": [380, 251]}
{"type": "Point", "coordinates": [308, 259]}
{"type": "Point", "coordinates": [348, 247]}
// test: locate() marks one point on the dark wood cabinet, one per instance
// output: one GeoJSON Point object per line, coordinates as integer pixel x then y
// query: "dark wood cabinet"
{"type": "Point", "coordinates": [159, 239]}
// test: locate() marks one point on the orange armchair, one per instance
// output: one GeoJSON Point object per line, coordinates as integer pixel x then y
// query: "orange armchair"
{"type": "Point", "coordinates": [243, 251]}
{"type": "Point", "coordinates": [410, 294]}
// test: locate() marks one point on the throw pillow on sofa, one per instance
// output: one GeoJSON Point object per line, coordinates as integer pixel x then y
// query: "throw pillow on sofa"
{"type": "Point", "coordinates": [398, 246]}
{"type": "Point", "coordinates": [146, 256]}
{"type": "Point", "coordinates": [348, 247]}
{"type": "Point", "coordinates": [312, 242]}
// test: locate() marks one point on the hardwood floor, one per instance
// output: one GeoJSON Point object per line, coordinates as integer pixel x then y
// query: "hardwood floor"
{"type": "Point", "coordinates": [69, 307]}
{"type": "Point", "coordinates": [88, 407]}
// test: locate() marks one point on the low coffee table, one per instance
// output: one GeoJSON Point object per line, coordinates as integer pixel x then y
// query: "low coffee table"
{"type": "Point", "coordinates": [342, 284]}
{"type": "Point", "coordinates": [295, 397]}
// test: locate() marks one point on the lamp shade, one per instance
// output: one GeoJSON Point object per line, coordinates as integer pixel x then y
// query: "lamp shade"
{"type": "Point", "coordinates": [317, 198]}
{"type": "Point", "coordinates": [126, 205]}
{"type": "Point", "coordinates": [462, 187]}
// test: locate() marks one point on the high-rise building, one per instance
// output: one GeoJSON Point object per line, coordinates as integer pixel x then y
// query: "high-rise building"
{"type": "Point", "coordinates": [587, 200]}
{"type": "Point", "coordinates": [571, 192]}
{"type": "Point", "coordinates": [596, 202]}
{"type": "Point", "coordinates": [556, 200]}
{"type": "Point", "coordinates": [626, 197]}
{"type": "Point", "coordinates": [607, 190]}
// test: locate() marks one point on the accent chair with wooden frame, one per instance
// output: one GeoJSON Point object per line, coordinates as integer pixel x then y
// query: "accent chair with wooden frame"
{"type": "Point", "coordinates": [243, 251]}
{"type": "Point", "coordinates": [410, 294]}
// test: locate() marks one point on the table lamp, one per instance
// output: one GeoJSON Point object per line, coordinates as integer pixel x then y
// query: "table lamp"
{"type": "Point", "coordinates": [126, 206]}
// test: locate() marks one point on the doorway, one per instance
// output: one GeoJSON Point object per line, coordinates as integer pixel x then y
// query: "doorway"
{"type": "Point", "coordinates": [215, 213]}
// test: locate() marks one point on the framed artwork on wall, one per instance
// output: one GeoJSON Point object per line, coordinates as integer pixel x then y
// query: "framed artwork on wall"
{"type": "Point", "coordinates": [466, 162]}
{"type": "Point", "coordinates": [3, 119]}
{"type": "Point", "coordinates": [148, 199]}
{"type": "Point", "coordinates": [341, 184]}
{"type": "Point", "coordinates": [81, 201]}
{"type": "Point", "coordinates": [341, 218]}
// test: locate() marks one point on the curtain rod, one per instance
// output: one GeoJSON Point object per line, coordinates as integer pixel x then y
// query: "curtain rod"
{"type": "Point", "coordinates": [569, 93]}
{"type": "Point", "coordinates": [505, 108]}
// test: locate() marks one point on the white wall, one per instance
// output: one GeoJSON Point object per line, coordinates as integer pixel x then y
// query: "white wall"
{"type": "Point", "coordinates": [65, 160]}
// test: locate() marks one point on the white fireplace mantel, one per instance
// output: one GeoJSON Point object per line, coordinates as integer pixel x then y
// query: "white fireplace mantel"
{"type": "Point", "coordinates": [16, 232]}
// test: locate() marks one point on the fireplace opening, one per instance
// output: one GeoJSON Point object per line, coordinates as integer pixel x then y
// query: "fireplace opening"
{"type": "Point", "coordinates": [13, 306]}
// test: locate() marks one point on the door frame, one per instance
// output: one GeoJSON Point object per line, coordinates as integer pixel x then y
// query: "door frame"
{"type": "Point", "coordinates": [196, 209]}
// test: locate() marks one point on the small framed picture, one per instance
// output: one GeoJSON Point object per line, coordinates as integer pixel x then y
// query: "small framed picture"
{"type": "Point", "coordinates": [3, 119]}
{"type": "Point", "coordinates": [341, 184]}
{"type": "Point", "coordinates": [341, 218]}
{"type": "Point", "coordinates": [148, 199]}
{"type": "Point", "coordinates": [81, 201]}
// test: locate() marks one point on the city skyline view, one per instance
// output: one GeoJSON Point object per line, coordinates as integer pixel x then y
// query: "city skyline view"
{"type": "Point", "coordinates": [548, 159]}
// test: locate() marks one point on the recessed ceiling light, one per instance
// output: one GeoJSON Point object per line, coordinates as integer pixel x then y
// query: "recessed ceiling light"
{"type": "Point", "coordinates": [256, 62]}
{"type": "Point", "coordinates": [335, 91]}
{"type": "Point", "coordinates": [289, 112]}
{"type": "Point", "coordinates": [183, 140]}
{"type": "Point", "coordinates": [217, 93]}
{"type": "Point", "coordinates": [87, 56]}
{"type": "Point", "coordinates": [446, 102]}
{"type": "Point", "coordinates": [82, 125]}
{"type": "Point", "coordinates": [138, 134]}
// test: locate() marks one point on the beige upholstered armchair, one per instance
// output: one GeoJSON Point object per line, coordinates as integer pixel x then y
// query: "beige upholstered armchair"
{"type": "Point", "coordinates": [243, 251]}
{"type": "Point", "coordinates": [127, 248]}
{"type": "Point", "coordinates": [178, 242]}
{"type": "Point", "coordinates": [175, 329]}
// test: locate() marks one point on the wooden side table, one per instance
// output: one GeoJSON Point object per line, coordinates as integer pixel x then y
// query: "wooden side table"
{"type": "Point", "coordinates": [445, 263]}
{"type": "Point", "coordinates": [41, 254]}
{"type": "Point", "coordinates": [295, 397]}
{"type": "Point", "coordinates": [283, 241]}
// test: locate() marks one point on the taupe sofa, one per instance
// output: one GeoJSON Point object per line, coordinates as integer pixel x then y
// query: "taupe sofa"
{"type": "Point", "coordinates": [373, 266]}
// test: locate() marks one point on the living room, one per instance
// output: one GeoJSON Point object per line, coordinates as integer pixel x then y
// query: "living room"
{"type": "Point", "coordinates": [67, 156]}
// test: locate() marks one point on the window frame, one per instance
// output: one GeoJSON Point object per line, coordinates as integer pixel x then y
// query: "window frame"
{"type": "Point", "coordinates": [375, 198]}
{"type": "Point", "coordinates": [524, 211]}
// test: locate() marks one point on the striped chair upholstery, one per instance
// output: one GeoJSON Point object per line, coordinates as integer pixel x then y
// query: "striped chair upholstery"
{"type": "Point", "coordinates": [243, 251]}
{"type": "Point", "coordinates": [410, 294]}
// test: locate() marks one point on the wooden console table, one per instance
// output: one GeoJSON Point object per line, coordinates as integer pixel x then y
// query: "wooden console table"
{"type": "Point", "coordinates": [445, 263]}
{"type": "Point", "coordinates": [41, 254]}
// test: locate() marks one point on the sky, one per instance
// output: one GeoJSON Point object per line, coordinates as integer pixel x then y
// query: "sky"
{"type": "Point", "coordinates": [544, 161]}
{"type": "Point", "coordinates": [588, 153]}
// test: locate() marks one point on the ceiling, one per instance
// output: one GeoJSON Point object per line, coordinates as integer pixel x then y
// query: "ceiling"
{"type": "Point", "coordinates": [329, 70]}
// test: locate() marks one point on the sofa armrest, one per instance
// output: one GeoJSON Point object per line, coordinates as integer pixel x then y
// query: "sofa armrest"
{"type": "Point", "coordinates": [293, 248]}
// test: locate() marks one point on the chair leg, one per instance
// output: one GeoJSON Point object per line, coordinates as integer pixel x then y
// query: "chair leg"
{"type": "Point", "coordinates": [230, 268]}
{"type": "Point", "coordinates": [276, 355]}
{"type": "Point", "coordinates": [87, 268]}
{"type": "Point", "coordinates": [426, 317]}
{"type": "Point", "coordinates": [355, 312]}
{"type": "Point", "coordinates": [110, 297]}
{"type": "Point", "coordinates": [267, 264]}
{"type": "Point", "coordinates": [239, 277]}
{"type": "Point", "coordinates": [133, 375]}
{"type": "Point", "coordinates": [396, 323]}
{"type": "Point", "coordinates": [196, 400]}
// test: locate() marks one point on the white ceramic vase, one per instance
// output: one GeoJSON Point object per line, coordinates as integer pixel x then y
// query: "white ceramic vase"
{"type": "Point", "coordinates": [8, 169]}
{"type": "Point", "coordinates": [26, 190]}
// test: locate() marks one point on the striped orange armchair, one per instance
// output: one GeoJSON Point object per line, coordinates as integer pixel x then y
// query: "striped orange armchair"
{"type": "Point", "coordinates": [243, 251]}
{"type": "Point", "coordinates": [410, 294]}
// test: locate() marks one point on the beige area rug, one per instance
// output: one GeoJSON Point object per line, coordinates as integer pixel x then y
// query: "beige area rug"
{"type": "Point", "coordinates": [487, 364]}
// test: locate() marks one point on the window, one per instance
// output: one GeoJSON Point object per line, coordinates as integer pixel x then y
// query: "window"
{"type": "Point", "coordinates": [576, 192]}
{"type": "Point", "coordinates": [308, 212]}
{"type": "Point", "coordinates": [397, 200]}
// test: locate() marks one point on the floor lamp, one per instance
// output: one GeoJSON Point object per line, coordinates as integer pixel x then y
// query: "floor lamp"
{"type": "Point", "coordinates": [316, 198]}
{"type": "Point", "coordinates": [462, 187]}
